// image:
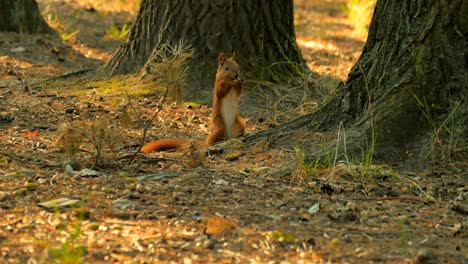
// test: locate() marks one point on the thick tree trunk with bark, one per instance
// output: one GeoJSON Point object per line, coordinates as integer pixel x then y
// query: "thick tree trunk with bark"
{"type": "Point", "coordinates": [22, 16]}
{"type": "Point", "coordinates": [416, 52]}
{"type": "Point", "coordinates": [260, 32]}
{"type": "Point", "coordinates": [410, 81]}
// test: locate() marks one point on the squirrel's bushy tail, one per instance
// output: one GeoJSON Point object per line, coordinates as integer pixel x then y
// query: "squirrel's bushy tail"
{"type": "Point", "coordinates": [164, 144]}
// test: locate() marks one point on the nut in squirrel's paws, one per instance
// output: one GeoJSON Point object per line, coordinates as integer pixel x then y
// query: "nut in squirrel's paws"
{"type": "Point", "coordinates": [240, 81]}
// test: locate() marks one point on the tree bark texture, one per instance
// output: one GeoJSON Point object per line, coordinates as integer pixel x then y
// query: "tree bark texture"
{"type": "Point", "coordinates": [260, 32]}
{"type": "Point", "coordinates": [22, 16]}
{"type": "Point", "coordinates": [416, 50]}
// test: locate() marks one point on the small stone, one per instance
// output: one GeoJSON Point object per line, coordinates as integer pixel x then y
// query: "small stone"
{"type": "Point", "coordinates": [222, 182]}
{"type": "Point", "coordinates": [209, 243]}
{"type": "Point", "coordinates": [18, 49]}
{"type": "Point", "coordinates": [214, 151]}
{"type": "Point", "coordinates": [75, 165]}
{"type": "Point", "coordinates": [42, 181]}
{"type": "Point", "coordinates": [347, 238]}
{"type": "Point", "coordinates": [4, 196]}
{"type": "Point", "coordinates": [424, 256]}
{"type": "Point", "coordinates": [123, 216]}
{"type": "Point", "coordinates": [140, 188]}
{"type": "Point", "coordinates": [20, 192]}
{"type": "Point", "coordinates": [233, 156]}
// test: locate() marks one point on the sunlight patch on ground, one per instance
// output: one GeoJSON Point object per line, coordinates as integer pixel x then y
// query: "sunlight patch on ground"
{"type": "Point", "coordinates": [325, 36]}
{"type": "Point", "coordinates": [91, 53]}
{"type": "Point", "coordinates": [12, 68]}
{"type": "Point", "coordinates": [6, 60]}
{"type": "Point", "coordinates": [84, 25]}
{"type": "Point", "coordinates": [317, 45]}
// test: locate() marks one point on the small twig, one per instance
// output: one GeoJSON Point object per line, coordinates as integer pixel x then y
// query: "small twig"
{"type": "Point", "coordinates": [414, 183]}
{"type": "Point", "coordinates": [331, 177]}
{"type": "Point", "coordinates": [37, 163]}
{"type": "Point", "coordinates": [168, 174]}
{"type": "Point", "coordinates": [64, 76]}
{"type": "Point", "coordinates": [5, 93]}
{"type": "Point", "coordinates": [98, 154]}
{"type": "Point", "coordinates": [410, 198]}
{"type": "Point", "coordinates": [159, 176]}
{"type": "Point", "coordinates": [148, 125]}
{"type": "Point", "coordinates": [149, 159]}
{"type": "Point", "coordinates": [133, 107]}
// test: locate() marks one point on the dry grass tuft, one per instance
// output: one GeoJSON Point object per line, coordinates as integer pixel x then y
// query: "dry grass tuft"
{"type": "Point", "coordinates": [168, 66]}
{"type": "Point", "coordinates": [194, 157]}
{"type": "Point", "coordinates": [98, 135]}
{"type": "Point", "coordinates": [446, 141]}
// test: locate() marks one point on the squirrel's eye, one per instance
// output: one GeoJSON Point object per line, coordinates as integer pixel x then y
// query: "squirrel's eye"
{"type": "Point", "coordinates": [226, 68]}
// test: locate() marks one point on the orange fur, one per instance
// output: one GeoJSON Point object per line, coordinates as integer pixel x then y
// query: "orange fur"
{"type": "Point", "coordinates": [164, 144]}
{"type": "Point", "coordinates": [225, 116]}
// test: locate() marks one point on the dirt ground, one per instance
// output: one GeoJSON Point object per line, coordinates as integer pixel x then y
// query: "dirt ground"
{"type": "Point", "coordinates": [256, 203]}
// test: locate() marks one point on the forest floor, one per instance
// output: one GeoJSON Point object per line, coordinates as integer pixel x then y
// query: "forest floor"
{"type": "Point", "coordinates": [255, 203]}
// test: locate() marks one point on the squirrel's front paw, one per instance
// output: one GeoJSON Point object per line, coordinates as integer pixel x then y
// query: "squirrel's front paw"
{"type": "Point", "coordinates": [241, 82]}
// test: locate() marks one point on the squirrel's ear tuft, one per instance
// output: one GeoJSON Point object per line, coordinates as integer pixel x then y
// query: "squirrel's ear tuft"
{"type": "Point", "coordinates": [233, 55]}
{"type": "Point", "coordinates": [222, 58]}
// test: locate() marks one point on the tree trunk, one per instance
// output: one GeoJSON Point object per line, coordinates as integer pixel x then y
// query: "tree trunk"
{"type": "Point", "coordinates": [22, 16]}
{"type": "Point", "coordinates": [409, 83]}
{"type": "Point", "coordinates": [261, 32]}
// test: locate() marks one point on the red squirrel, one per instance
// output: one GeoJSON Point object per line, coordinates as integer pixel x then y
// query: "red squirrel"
{"type": "Point", "coordinates": [226, 122]}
